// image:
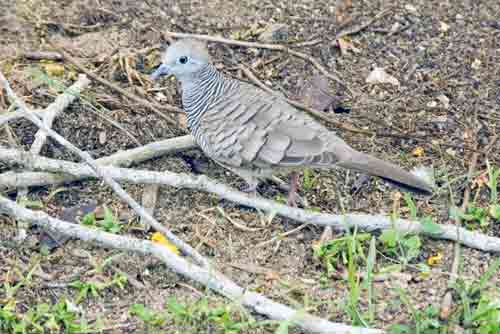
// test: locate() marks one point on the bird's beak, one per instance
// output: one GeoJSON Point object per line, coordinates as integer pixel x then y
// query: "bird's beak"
{"type": "Point", "coordinates": [160, 71]}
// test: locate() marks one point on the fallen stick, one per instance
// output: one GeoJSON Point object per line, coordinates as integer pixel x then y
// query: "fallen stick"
{"type": "Point", "coordinates": [43, 55]}
{"type": "Point", "coordinates": [55, 108]}
{"type": "Point", "coordinates": [184, 247]}
{"type": "Point", "coordinates": [342, 125]}
{"type": "Point", "coordinates": [363, 26]}
{"type": "Point", "coordinates": [364, 222]}
{"type": "Point", "coordinates": [12, 116]}
{"type": "Point", "coordinates": [9, 180]}
{"type": "Point", "coordinates": [207, 276]}
{"type": "Point", "coordinates": [276, 47]}
{"type": "Point", "coordinates": [51, 112]}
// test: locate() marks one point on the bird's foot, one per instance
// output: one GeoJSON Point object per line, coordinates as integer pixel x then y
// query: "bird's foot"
{"type": "Point", "coordinates": [292, 193]}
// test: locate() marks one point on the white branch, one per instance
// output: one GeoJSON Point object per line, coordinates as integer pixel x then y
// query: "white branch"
{"type": "Point", "coordinates": [184, 247]}
{"type": "Point", "coordinates": [55, 108]}
{"type": "Point", "coordinates": [122, 158]}
{"type": "Point", "coordinates": [203, 275]}
{"type": "Point", "coordinates": [339, 222]}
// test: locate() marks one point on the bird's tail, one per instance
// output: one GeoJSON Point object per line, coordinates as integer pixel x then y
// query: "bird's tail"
{"type": "Point", "coordinates": [365, 163]}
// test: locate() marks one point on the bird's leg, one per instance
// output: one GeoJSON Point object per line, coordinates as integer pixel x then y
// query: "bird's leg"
{"type": "Point", "coordinates": [294, 186]}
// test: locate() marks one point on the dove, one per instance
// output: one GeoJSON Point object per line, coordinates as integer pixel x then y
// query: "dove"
{"type": "Point", "coordinates": [255, 133]}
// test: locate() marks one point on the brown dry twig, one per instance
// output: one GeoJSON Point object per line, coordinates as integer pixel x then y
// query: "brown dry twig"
{"type": "Point", "coordinates": [276, 47]}
{"type": "Point", "coordinates": [342, 125]}
{"type": "Point", "coordinates": [357, 28]}
{"type": "Point", "coordinates": [313, 112]}
{"type": "Point", "coordinates": [131, 96]}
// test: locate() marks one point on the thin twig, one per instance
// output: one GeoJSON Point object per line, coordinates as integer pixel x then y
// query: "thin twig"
{"type": "Point", "coordinates": [364, 222]}
{"type": "Point", "coordinates": [126, 158]}
{"type": "Point", "coordinates": [122, 91]}
{"type": "Point", "coordinates": [340, 125]}
{"type": "Point", "coordinates": [282, 235]}
{"type": "Point", "coordinates": [55, 108]}
{"type": "Point", "coordinates": [276, 47]}
{"type": "Point", "coordinates": [318, 114]}
{"type": "Point", "coordinates": [51, 112]}
{"type": "Point", "coordinates": [363, 26]}
{"type": "Point", "coordinates": [239, 226]}
{"type": "Point", "coordinates": [206, 276]}
{"type": "Point", "coordinates": [43, 55]}
{"type": "Point", "coordinates": [187, 249]}
{"type": "Point", "coordinates": [448, 297]}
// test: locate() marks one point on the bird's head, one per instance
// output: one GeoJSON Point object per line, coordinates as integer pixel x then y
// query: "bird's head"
{"type": "Point", "coordinates": [183, 59]}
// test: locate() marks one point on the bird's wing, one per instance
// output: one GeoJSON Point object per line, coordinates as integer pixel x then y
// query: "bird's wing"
{"type": "Point", "coordinates": [251, 127]}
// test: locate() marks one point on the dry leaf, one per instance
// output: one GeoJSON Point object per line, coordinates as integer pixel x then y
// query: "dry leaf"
{"type": "Point", "coordinates": [379, 76]}
{"type": "Point", "coordinates": [444, 100]}
{"type": "Point", "coordinates": [418, 151]}
{"type": "Point", "coordinates": [159, 238]}
{"type": "Point", "coordinates": [434, 260]}
{"type": "Point", "coordinates": [272, 276]}
{"type": "Point", "coordinates": [443, 26]}
{"type": "Point", "coordinates": [476, 64]}
{"type": "Point", "coordinates": [315, 94]}
{"type": "Point", "coordinates": [346, 45]}
{"type": "Point", "coordinates": [182, 120]}
{"type": "Point", "coordinates": [480, 180]}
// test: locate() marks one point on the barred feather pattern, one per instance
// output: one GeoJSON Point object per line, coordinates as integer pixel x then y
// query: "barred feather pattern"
{"type": "Point", "coordinates": [253, 132]}
{"type": "Point", "coordinates": [207, 87]}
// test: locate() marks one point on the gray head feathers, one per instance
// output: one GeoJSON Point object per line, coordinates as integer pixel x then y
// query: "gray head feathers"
{"type": "Point", "coordinates": [184, 59]}
{"type": "Point", "coordinates": [190, 48]}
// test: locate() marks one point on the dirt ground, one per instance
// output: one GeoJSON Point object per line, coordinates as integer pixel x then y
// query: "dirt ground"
{"type": "Point", "coordinates": [434, 49]}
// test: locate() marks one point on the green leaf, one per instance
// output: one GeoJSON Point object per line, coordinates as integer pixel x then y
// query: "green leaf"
{"type": "Point", "coordinates": [389, 238]}
{"type": "Point", "coordinates": [400, 329]}
{"type": "Point", "coordinates": [109, 223]}
{"type": "Point", "coordinates": [494, 211]}
{"type": "Point", "coordinates": [412, 242]}
{"type": "Point", "coordinates": [89, 219]}
{"type": "Point", "coordinates": [411, 205]}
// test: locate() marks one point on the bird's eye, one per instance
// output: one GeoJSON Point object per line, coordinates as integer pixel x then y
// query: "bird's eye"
{"type": "Point", "coordinates": [183, 60]}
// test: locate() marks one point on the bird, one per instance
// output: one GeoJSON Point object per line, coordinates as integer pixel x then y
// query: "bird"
{"type": "Point", "coordinates": [255, 133]}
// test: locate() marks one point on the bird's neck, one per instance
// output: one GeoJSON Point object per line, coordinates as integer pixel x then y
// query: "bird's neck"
{"type": "Point", "coordinates": [201, 91]}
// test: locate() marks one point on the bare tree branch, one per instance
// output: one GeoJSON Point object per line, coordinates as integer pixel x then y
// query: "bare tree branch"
{"type": "Point", "coordinates": [184, 247]}
{"type": "Point", "coordinates": [55, 108]}
{"type": "Point", "coordinates": [204, 275]}
{"type": "Point", "coordinates": [277, 47]}
{"type": "Point", "coordinates": [339, 222]}
{"type": "Point", "coordinates": [9, 181]}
